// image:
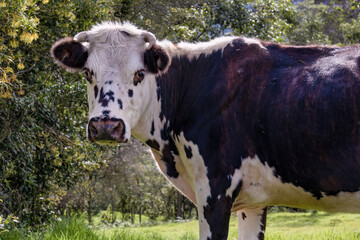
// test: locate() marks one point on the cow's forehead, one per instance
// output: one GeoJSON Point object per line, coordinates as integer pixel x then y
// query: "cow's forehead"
{"type": "Point", "coordinates": [115, 51]}
{"type": "Point", "coordinates": [115, 61]}
{"type": "Point", "coordinates": [112, 33]}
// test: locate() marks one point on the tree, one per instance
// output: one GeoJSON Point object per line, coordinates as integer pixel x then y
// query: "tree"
{"type": "Point", "coordinates": [326, 22]}
{"type": "Point", "coordinates": [43, 111]}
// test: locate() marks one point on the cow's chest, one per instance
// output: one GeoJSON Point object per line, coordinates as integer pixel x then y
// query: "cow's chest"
{"type": "Point", "coordinates": [175, 164]}
{"type": "Point", "coordinates": [185, 169]}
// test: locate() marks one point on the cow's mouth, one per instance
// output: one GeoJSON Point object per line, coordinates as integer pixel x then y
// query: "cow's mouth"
{"type": "Point", "coordinates": [109, 142]}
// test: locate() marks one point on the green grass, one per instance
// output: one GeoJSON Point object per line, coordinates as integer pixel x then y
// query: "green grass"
{"type": "Point", "coordinates": [77, 229]}
{"type": "Point", "coordinates": [320, 226]}
{"type": "Point", "coordinates": [281, 226]}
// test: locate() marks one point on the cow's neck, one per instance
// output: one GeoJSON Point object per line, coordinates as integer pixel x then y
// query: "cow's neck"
{"type": "Point", "coordinates": [177, 93]}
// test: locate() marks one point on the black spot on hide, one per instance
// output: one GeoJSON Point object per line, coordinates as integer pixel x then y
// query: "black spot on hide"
{"type": "Point", "coordinates": [261, 236]}
{"type": "Point", "coordinates": [158, 90]}
{"type": "Point", "coordinates": [188, 152]}
{"type": "Point", "coordinates": [96, 91]}
{"type": "Point", "coordinates": [317, 194]}
{"type": "Point", "coordinates": [263, 220]}
{"type": "Point", "coordinates": [120, 104]}
{"type": "Point", "coordinates": [153, 144]}
{"type": "Point", "coordinates": [130, 93]}
{"type": "Point", "coordinates": [173, 147]}
{"type": "Point", "coordinates": [106, 113]}
{"type": "Point", "coordinates": [169, 160]}
{"type": "Point", "coordinates": [165, 131]}
{"type": "Point", "coordinates": [152, 130]}
{"type": "Point", "coordinates": [105, 98]}
{"type": "Point", "coordinates": [217, 214]}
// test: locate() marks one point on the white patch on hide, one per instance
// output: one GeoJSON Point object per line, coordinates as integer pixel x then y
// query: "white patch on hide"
{"type": "Point", "coordinates": [261, 188]}
{"type": "Point", "coordinates": [235, 180]}
{"type": "Point", "coordinates": [251, 41]}
{"type": "Point", "coordinates": [249, 224]}
{"type": "Point", "coordinates": [193, 51]}
{"type": "Point", "coordinates": [197, 171]}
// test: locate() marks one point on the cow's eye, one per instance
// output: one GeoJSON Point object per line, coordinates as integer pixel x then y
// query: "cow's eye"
{"type": "Point", "coordinates": [139, 76]}
{"type": "Point", "coordinates": [88, 74]}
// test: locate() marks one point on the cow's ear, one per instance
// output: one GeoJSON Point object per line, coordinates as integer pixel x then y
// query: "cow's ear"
{"type": "Point", "coordinates": [69, 54]}
{"type": "Point", "coordinates": [156, 59]}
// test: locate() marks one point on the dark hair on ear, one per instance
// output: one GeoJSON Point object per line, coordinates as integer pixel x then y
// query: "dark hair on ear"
{"type": "Point", "coordinates": [156, 59]}
{"type": "Point", "coordinates": [69, 54]}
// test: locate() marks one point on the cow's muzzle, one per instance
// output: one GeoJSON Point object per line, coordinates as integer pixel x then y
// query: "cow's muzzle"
{"type": "Point", "coordinates": [106, 131]}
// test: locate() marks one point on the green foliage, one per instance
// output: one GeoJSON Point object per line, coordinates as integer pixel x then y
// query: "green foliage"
{"type": "Point", "coordinates": [42, 114]}
{"type": "Point", "coordinates": [8, 222]}
{"type": "Point", "coordinates": [199, 21]}
{"type": "Point", "coordinates": [330, 22]}
{"type": "Point", "coordinates": [268, 20]}
{"type": "Point", "coordinates": [108, 216]}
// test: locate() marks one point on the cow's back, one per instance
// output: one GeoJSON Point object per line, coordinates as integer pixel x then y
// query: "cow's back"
{"type": "Point", "coordinates": [308, 120]}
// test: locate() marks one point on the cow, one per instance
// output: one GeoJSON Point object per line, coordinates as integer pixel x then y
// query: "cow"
{"type": "Point", "coordinates": [236, 124]}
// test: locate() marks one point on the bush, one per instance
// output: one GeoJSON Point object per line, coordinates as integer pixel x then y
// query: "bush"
{"type": "Point", "coordinates": [67, 229]}
{"type": "Point", "coordinates": [13, 234]}
{"type": "Point", "coordinates": [108, 216]}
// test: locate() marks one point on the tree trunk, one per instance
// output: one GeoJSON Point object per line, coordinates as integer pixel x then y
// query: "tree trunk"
{"type": "Point", "coordinates": [179, 206]}
{"type": "Point", "coordinates": [89, 200]}
{"type": "Point", "coordinates": [132, 214]}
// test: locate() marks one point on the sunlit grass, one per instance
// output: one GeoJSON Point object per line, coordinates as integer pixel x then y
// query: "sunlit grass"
{"type": "Point", "coordinates": [281, 226]}
{"type": "Point", "coordinates": [320, 226]}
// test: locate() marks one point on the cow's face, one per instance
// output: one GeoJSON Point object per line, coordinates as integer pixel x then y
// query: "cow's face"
{"type": "Point", "coordinates": [119, 62]}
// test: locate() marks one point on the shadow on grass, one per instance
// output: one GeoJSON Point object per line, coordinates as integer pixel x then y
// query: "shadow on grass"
{"type": "Point", "coordinates": [303, 219]}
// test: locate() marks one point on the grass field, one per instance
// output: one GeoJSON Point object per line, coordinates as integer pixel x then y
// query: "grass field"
{"type": "Point", "coordinates": [281, 226]}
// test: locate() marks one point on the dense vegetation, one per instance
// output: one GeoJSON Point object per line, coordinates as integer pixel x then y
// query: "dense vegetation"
{"type": "Point", "coordinates": [47, 168]}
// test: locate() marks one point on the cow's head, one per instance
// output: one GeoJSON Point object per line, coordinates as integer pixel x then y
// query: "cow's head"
{"type": "Point", "coordinates": [119, 62]}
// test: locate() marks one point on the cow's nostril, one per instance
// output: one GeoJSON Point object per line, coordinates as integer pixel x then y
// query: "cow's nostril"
{"type": "Point", "coordinates": [93, 130]}
{"type": "Point", "coordinates": [116, 130]}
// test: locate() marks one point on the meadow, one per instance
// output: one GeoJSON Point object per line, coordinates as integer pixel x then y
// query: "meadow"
{"type": "Point", "coordinates": [280, 226]}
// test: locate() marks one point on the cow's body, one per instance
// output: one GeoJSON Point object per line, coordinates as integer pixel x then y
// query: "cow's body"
{"type": "Point", "coordinates": [237, 124]}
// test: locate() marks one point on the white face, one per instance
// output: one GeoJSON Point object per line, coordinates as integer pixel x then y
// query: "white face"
{"type": "Point", "coordinates": [120, 63]}
{"type": "Point", "coordinates": [119, 86]}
